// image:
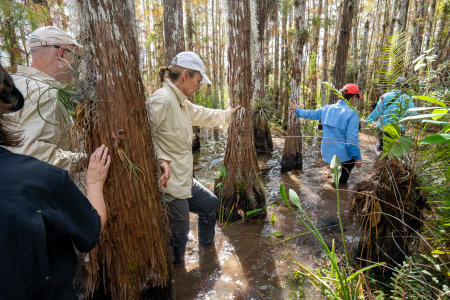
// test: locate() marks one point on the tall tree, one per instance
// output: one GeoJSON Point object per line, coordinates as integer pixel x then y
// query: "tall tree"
{"type": "Point", "coordinates": [342, 47]}
{"type": "Point", "coordinates": [314, 52]}
{"type": "Point", "coordinates": [431, 20]}
{"type": "Point", "coordinates": [292, 152]}
{"type": "Point", "coordinates": [261, 129]}
{"type": "Point", "coordinates": [403, 15]}
{"type": "Point", "coordinates": [132, 253]}
{"type": "Point", "coordinates": [362, 66]}
{"type": "Point", "coordinates": [419, 26]}
{"type": "Point", "coordinates": [241, 189]}
{"type": "Point", "coordinates": [276, 57]}
{"type": "Point", "coordinates": [173, 29]}
{"type": "Point", "coordinates": [326, 21]}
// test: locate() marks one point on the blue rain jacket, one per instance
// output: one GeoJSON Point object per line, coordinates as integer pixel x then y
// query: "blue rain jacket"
{"type": "Point", "coordinates": [394, 112]}
{"type": "Point", "coordinates": [340, 130]}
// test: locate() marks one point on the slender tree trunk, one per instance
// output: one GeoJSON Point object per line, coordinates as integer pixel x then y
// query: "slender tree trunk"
{"type": "Point", "coordinates": [355, 32]}
{"type": "Point", "coordinates": [283, 60]}
{"type": "Point", "coordinates": [314, 53]}
{"type": "Point", "coordinates": [403, 15]}
{"type": "Point", "coordinates": [189, 26]}
{"type": "Point", "coordinates": [442, 37]}
{"type": "Point", "coordinates": [286, 80]}
{"type": "Point", "coordinates": [362, 66]}
{"type": "Point", "coordinates": [342, 47]}
{"type": "Point", "coordinates": [132, 254]}
{"type": "Point", "coordinates": [394, 12]}
{"type": "Point", "coordinates": [276, 58]}
{"type": "Point", "coordinates": [292, 152]}
{"type": "Point", "coordinates": [173, 28]}
{"type": "Point", "coordinates": [431, 19]}
{"type": "Point", "coordinates": [419, 26]}
{"type": "Point", "coordinates": [241, 189]}
{"type": "Point", "coordinates": [325, 55]}
{"type": "Point", "coordinates": [261, 129]}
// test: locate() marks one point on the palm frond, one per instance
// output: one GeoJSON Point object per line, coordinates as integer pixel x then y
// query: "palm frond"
{"type": "Point", "coordinates": [393, 61]}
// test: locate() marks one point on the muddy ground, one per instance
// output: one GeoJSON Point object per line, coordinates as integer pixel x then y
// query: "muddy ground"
{"type": "Point", "coordinates": [255, 260]}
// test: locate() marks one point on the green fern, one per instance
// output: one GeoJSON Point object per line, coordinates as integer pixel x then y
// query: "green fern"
{"type": "Point", "coordinates": [393, 61]}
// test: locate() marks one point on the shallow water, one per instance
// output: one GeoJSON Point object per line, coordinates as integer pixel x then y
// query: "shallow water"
{"type": "Point", "coordinates": [251, 260]}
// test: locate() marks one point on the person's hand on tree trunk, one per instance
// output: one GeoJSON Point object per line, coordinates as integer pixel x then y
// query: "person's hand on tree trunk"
{"type": "Point", "coordinates": [358, 164]}
{"type": "Point", "coordinates": [234, 109]}
{"type": "Point", "coordinates": [165, 169]}
{"type": "Point", "coordinates": [294, 106]}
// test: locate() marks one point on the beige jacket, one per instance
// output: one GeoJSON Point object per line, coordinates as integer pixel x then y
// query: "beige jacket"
{"type": "Point", "coordinates": [47, 140]}
{"type": "Point", "coordinates": [172, 117]}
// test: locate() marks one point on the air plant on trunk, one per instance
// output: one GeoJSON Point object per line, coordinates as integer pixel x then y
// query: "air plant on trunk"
{"type": "Point", "coordinates": [132, 255]}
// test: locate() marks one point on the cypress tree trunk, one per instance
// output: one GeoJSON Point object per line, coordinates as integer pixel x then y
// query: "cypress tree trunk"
{"type": "Point", "coordinates": [132, 255]}
{"type": "Point", "coordinates": [276, 59]}
{"type": "Point", "coordinates": [323, 100]}
{"type": "Point", "coordinates": [173, 28]}
{"type": "Point", "coordinates": [342, 47]}
{"type": "Point", "coordinates": [430, 24]}
{"type": "Point", "coordinates": [314, 52]}
{"type": "Point", "coordinates": [362, 66]}
{"type": "Point", "coordinates": [261, 130]}
{"type": "Point", "coordinates": [292, 152]}
{"type": "Point", "coordinates": [403, 15]}
{"type": "Point", "coordinates": [419, 26]}
{"type": "Point", "coordinates": [242, 186]}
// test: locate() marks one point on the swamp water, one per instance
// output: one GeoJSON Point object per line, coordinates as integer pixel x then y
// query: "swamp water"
{"type": "Point", "coordinates": [256, 259]}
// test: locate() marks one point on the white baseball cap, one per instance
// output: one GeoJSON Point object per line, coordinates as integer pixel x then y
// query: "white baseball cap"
{"type": "Point", "coordinates": [191, 61]}
{"type": "Point", "coordinates": [50, 36]}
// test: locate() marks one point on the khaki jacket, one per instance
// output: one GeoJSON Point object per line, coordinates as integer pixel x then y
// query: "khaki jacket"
{"type": "Point", "coordinates": [44, 125]}
{"type": "Point", "coordinates": [172, 116]}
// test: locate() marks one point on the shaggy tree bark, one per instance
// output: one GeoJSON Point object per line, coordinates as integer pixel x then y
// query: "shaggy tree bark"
{"type": "Point", "coordinates": [173, 28]}
{"type": "Point", "coordinates": [284, 59]}
{"type": "Point", "coordinates": [132, 255]}
{"type": "Point", "coordinates": [323, 100]}
{"type": "Point", "coordinates": [342, 47]}
{"type": "Point", "coordinates": [241, 189]}
{"type": "Point", "coordinates": [363, 58]}
{"type": "Point", "coordinates": [261, 130]}
{"type": "Point", "coordinates": [395, 7]}
{"type": "Point", "coordinates": [442, 37]}
{"type": "Point", "coordinates": [292, 152]}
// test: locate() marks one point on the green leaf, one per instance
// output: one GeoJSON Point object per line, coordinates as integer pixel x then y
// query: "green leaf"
{"type": "Point", "coordinates": [273, 218]}
{"type": "Point", "coordinates": [336, 168]}
{"type": "Point", "coordinates": [430, 99]}
{"type": "Point", "coordinates": [447, 174]}
{"type": "Point", "coordinates": [437, 139]}
{"type": "Point", "coordinates": [447, 128]}
{"type": "Point", "coordinates": [278, 234]}
{"type": "Point", "coordinates": [422, 116]}
{"type": "Point", "coordinates": [419, 66]}
{"type": "Point", "coordinates": [422, 108]}
{"type": "Point", "coordinates": [438, 252]}
{"type": "Point", "coordinates": [439, 111]}
{"type": "Point", "coordinates": [251, 212]}
{"type": "Point", "coordinates": [283, 195]}
{"type": "Point", "coordinates": [223, 171]}
{"type": "Point", "coordinates": [294, 198]}
{"type": "Point", "coordinates": [397, 149]}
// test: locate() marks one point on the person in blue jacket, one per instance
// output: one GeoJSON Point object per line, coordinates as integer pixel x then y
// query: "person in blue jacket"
{"type": "Point", "coordinates": [340, 130]}
{"type": "Point", "coordinates": [391, 107]}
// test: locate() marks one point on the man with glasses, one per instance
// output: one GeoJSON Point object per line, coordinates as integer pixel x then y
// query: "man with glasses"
{"type": "Point", "coordinates": [43, 120]}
